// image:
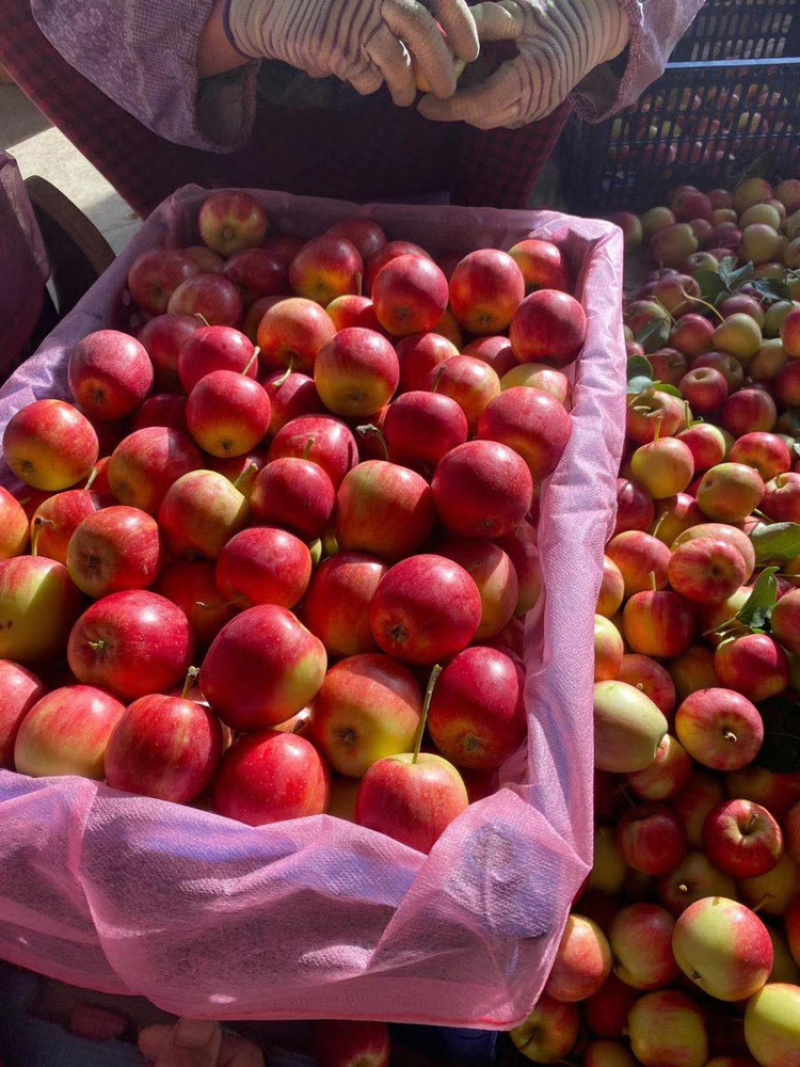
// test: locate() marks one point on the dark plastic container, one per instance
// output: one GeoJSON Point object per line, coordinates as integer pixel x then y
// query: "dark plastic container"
{"type": "Point", "coordinates": [741, 29]}
{"type": "Point", "coordinates": [703, 123]}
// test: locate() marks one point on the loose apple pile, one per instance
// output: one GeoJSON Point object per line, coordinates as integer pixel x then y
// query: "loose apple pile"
{"type": "Point", "coordinates": [280, 548]}
{"type": "Point", "coordinates": [684, 944]}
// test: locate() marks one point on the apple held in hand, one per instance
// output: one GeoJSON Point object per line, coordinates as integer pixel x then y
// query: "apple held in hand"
{"type": "Point", "coordinates": [109, 374]}
{"type": "Point", "coordinates": [368, 707]}
{"type": "Point", "coordinates": [50, 445]}
{"type": "Point", "coordinates": [133, 643]}
{"type": "Point", "coordinates": [267, 643]}
{"type": "Point", "coordinates": [67, 732]}
{"type": "Point", "coordinates": [271, 776]}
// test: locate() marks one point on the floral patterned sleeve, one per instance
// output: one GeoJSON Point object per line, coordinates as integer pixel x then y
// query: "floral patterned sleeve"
{"type": "Point", "coordinates": [143, 55]}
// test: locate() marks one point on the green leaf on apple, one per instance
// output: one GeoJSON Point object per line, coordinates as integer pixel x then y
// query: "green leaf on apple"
{"type": "Point", "coordinates": [638, 385]}
{"type": "Point", "coordinates": [777, 543]}
{"type": "Point", "coordinates": [733, 279]}
{"type": "Point", "coordinates": [780, 752]}
{"type": "Point", "coordinates": [760, 604]}
{"type": "Point", "coordinates": [665, 387]}
{"type": "Point", "coordinates": [639, 365]}
{"type": "Point", "coordinates": [771, 290]}
{"type": "Point", "coordinates": [711, 285]}
{"type": "Point", "coordinates": [655, 335]}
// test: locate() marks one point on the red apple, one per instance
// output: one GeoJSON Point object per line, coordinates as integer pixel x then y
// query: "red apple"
{"type": "Point", "coordinates": [707, 444]}
{"type": "Point", "coordinates": [294, 493]}
{"type": "Point", "coordinates": [166, 747]}
{"type": "Point", "coordinates": [426, 608]}
{"type": "Point", "coordinates": [651, 678]}
{"type": "Point", "coordinates": [20, 689]}
{"type": "Point", "coordinates": [640, 937]}
{"type": "Point", "coordinates": [264, 565]}
{"type": "Point", "coordinates": [635, 508]}
{"type": "Point", "coordinates": [211, 295]}
{"type": "Point", "coordinates": [200, 512]}
{"type": "Point", "coordinates": [723, 947]}
{"type": "Point", "coordinates": [781, 500]}
{"type": "Point", "coordinates": [785, 621]}
{"type": "Point", "coordinates": [674, 515]}
{"type": "Point", "coordinates": [770, 1025]}
{"type": "Point", "coordinates": [113, 549]}
{"type": "Point", "coordinates": [356, 372]}
{"type": "Point", "coordinates": [133, 643]}
{"type": "Point", "coordinates": [155, 275]}
{"type": "Point", "coordinates": [533, 423]}
{"type": "Point", "coordinates": [50, 445]}
{"type": "Point", "coordinates": [109, 374]}
{"type": "Point", "coordinates": [543, 265]}
{"type": "Point", "coordinates": [257, 272]}
{"type": "Point", "coordinates": [228, 413]}
{"type": "Point", "coordinates": [742, 839]}
{"type": "Point", "coordinates": [694, 878]}
{"type": "Point", "coordinates": [419, 354]}
{"type": "Point", "coordinates": [365, 233]}
{"type": "Point", "coordinates": [14, 524]}
{"type": "Point", "coordinates": [390, 251]}
{"type": "Point", "coordinates": [651, 411]}
{"type": "Point", "coordinates": [667, 776]}
{"type": "Point", "coordinates": [271, 776]}
{"type": "Point", "coordinates": [495, 576]}
{"type": "Point", "coordinates": [719, 728]}
{"type": "Point", "coordinates": [721, 531]}
{"type": "Point", "coordinates": [691, 335]}
{"type": "Point", "coordinates": [57, 518]}
{"type": "Point", "coordinates": [469, 381]}
{"type": "Point", "coordinates": [319, 439]}
{"type": "Point", "coordinates": [384, 509]}
{"type": "Point", "coordinates": [231, 220]}
{"type": "Point", "coordinates": [550, 1032]}
{"type": "Point", "coordinates": [754, 664]}
{"type": "Point", "coordinates": [766, 452]}
{"type": "Point", "coordinates": [327, 266]}
{"type": "Point", "coordinates": [549, 327]}
{"type": "Point", "coordinates": [422, 427]}
{"type": "Point", "coordinates": [147, 462]}
{"type": "Point", "coordinates": [663, 467]}
{"type": "Point", "coordinates": [265, 642]}
{"type": "Point", "coordinates": [292, 332]}
{"type": "Point", "coordinates": [482, 489]}
{"type": "Point", "coordinates": [336, 608]}
{"type": "Point", "coordinates": [162, 409]}
{"type": "Point", "coordinates": [216, 347]}
{"type": "Point", "coordinates": [38, 605]}
{"type": "Point", "coordinates": [368, 707]}
{"type": "Point", "coordinates": [667, 1028]}
{"type": "Point", "coordinates": [67, 732]}
{"type": "Point", "coordinates": [412, 798]}
{"type": "Point", "coordinates": [606, 1011]}
{"type": "Point", "coordinates": [667, 364]}
{"type": "Point", "coordinates": [496, 351]}
{"type": "Point", "coordinates": [658, 623]}
{"type": "Point", "coordinates": [485, 288]}
{"type": "Point", "coordinates": [192, 586]}
{"type": "Point", "coordinates": [290, 398]}
{"type": "Point", "coordinates": [410, 295]}
{"type": "Point", "coordinates": [706, 570]}
{"type": "Point", "coordinates": [582, 963]}
{"type": "Point", "coordinates": [353, 310]}
{"type": "Point", "coordinates": [651, 839]}
{"type": "Point", "coordinates": [728, 492]}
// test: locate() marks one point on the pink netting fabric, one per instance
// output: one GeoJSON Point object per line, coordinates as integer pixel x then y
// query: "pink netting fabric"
{"type": "Point", "coordinates": [23, 266]}
{"type": "Point", "coordinates": [318, 917]}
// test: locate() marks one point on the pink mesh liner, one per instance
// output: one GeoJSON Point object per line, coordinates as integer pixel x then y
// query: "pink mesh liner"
{"type": "Point", "coordinates": [318, 917]}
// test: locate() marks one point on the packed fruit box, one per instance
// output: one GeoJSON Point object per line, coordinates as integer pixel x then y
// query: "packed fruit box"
{"type": "Point", "coordinates": [312, 850]}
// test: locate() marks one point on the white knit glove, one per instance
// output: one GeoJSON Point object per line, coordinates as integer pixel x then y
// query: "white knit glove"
{"type": "Point", "coordinates": [363, 42]}
{"type": "Point", "coordinates": [559, 42]}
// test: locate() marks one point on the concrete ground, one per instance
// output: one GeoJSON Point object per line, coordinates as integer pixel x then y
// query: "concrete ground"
{"type": "Point", "coordinates": [39, 148]}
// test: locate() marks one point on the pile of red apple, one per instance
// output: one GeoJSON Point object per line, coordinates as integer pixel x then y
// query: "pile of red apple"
{"type": "Point", "coordinates": [274, 556]}
{"type": "Point", "coordinates": [683, 948]}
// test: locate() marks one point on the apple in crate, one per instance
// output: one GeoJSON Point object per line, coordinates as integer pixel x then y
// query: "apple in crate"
{"type": "Point", "coordinates": [58, 517]}
{"type": "Point", "coordinates": [214, 348]}
{"type": "Point", "coordinates": [336, 607]}
{"type": "Point", "coordinates": [356, 372]}
{"type": "Point", "coordinates": [20, 689]}
{"type": "Point", "coordinates": [582, 963]}
{"type": "Point", "coordinates": [228, 413]}
{"type": "Point", "coordinates": [422, 427]}
{"type": "Point", "coordinates": [532, 422]}
{"type": "Point", "coordinates": [200, 512]}
{"type": "Point", "coordinates": [321, 439]}
{"type": "Point", "coordinates": [294, 493]}
{"type": "Point", "coordinates": [115, 548]}
{"type": "Point", "coordinates": [133, 643]}
{"type": "Point", "coordinates": [263, 565]}
{"type": "Point", "coordinates": [231, 220]}
{"type": "Point", "coordinates": [482, 489]}
{"type": "Point", "coordinates": [271, 776]}
{"type": "Point", "coordinates": [667, 1027]}
{"type": "Point", "coordinates": [146, 463]}
{"type": "Point", "coordinates": [266, 642]}
{"type": "Point", "coordinates": [410, 295]}
{"type": "Point", "coordinates": [14, 525]}
{"type": "Point", "coordinates": [50, 445]}
{"type": "Point", "coordinates": [109, 374]}
{"type": "Point", "coordinates": [327, 266]}
{"type": "Point", "coordinates": [365, 233]}
{"type": "Point", "coordinates": [167, 747]}
{"type": "Point", "coordinates": [542, 264]}
{"type": "Point", "coordinates": [155, 275]}
{"type": "Point", "coordinates": [38, 605]}
{"type": "Point", "coordinates": [485, 288]}
{"type": "Point", "coordinates": [383, 509]}
{"type": "Point", "coordinates": [549, 326]}
{"type": "Point", "coordinates": [67, 732]}
{"type": "Point", "coordinates": [419, 354]}
{"type": "Point", "coordinates": [550, 1032]}
{"type": "Point", "coordinates": [772, 1025]}
{"type": "Point", "coordinates": [211, 295]}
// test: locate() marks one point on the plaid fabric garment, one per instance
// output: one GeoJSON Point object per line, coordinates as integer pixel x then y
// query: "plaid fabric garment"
{"type": "Point", "coordinates": [379, 153]}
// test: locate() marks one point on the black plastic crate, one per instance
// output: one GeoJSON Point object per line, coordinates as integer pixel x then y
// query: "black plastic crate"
{"type": "Point", "coordinates": [741, 29]}
{"type": "Point", "coordinates": [701, 123]}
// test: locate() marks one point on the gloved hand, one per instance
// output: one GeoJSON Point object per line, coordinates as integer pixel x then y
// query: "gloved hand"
{"type": "Point", "coordinates": [364, 42]}
{"type": "Point", "coordinates": [197, 1043]}
{"type": "Point", "coordinates": [559, 42]}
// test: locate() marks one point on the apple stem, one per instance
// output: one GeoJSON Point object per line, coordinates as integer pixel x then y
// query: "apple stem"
{"type": "Point", "coordinates": [97, 646]}
{"type": "Point", "coordinates": [307, 449]}
{"type": "Point", "coordinates": [705, 303]}
{"type": "Point", "coordinates": [752, 822]}
{"type": "Point", "coordinates": [38, 523]}
{"type": "Point", "coordinates": [653, 582]}
{"type": "Point", "coordinates": [370, 430]}
{"type": "Point", "coordinates": [284, 378]}
{"type": "Point", "coordinates": [253, 361]}
{"type": "Point", "coordinates": [302, 721]}
{"type": "Point", "coordinates": [438, 378]}
{"type": "Point", "coordinates": [659, 420]}
{"type": "Point", "coordinates": [729, 735]}
{"type": "Point", "coordinates": [687, 411]}
{"type": "Point", "coordinates": [437, 670]}
{"type": "Point", "coordinates": [683, 888]}
{"type": "Point", "coordinates": [202, 318]}
{"type": "Point", "coordinates": [359, 285]}
{"type": "Point", "coordinates": [757, 907]}
{"type": "Point", "coordinates": [246, 473]}
{"type": "Point", "coordinates": [191, 677]}
{"type": "Point", "coordinates": [91, 479]}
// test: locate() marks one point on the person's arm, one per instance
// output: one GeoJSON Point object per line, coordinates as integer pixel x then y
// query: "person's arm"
{"type": "Point", "coordinates": [216, 53]}
{"type": "Point", "coordinates": [143, 54]}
